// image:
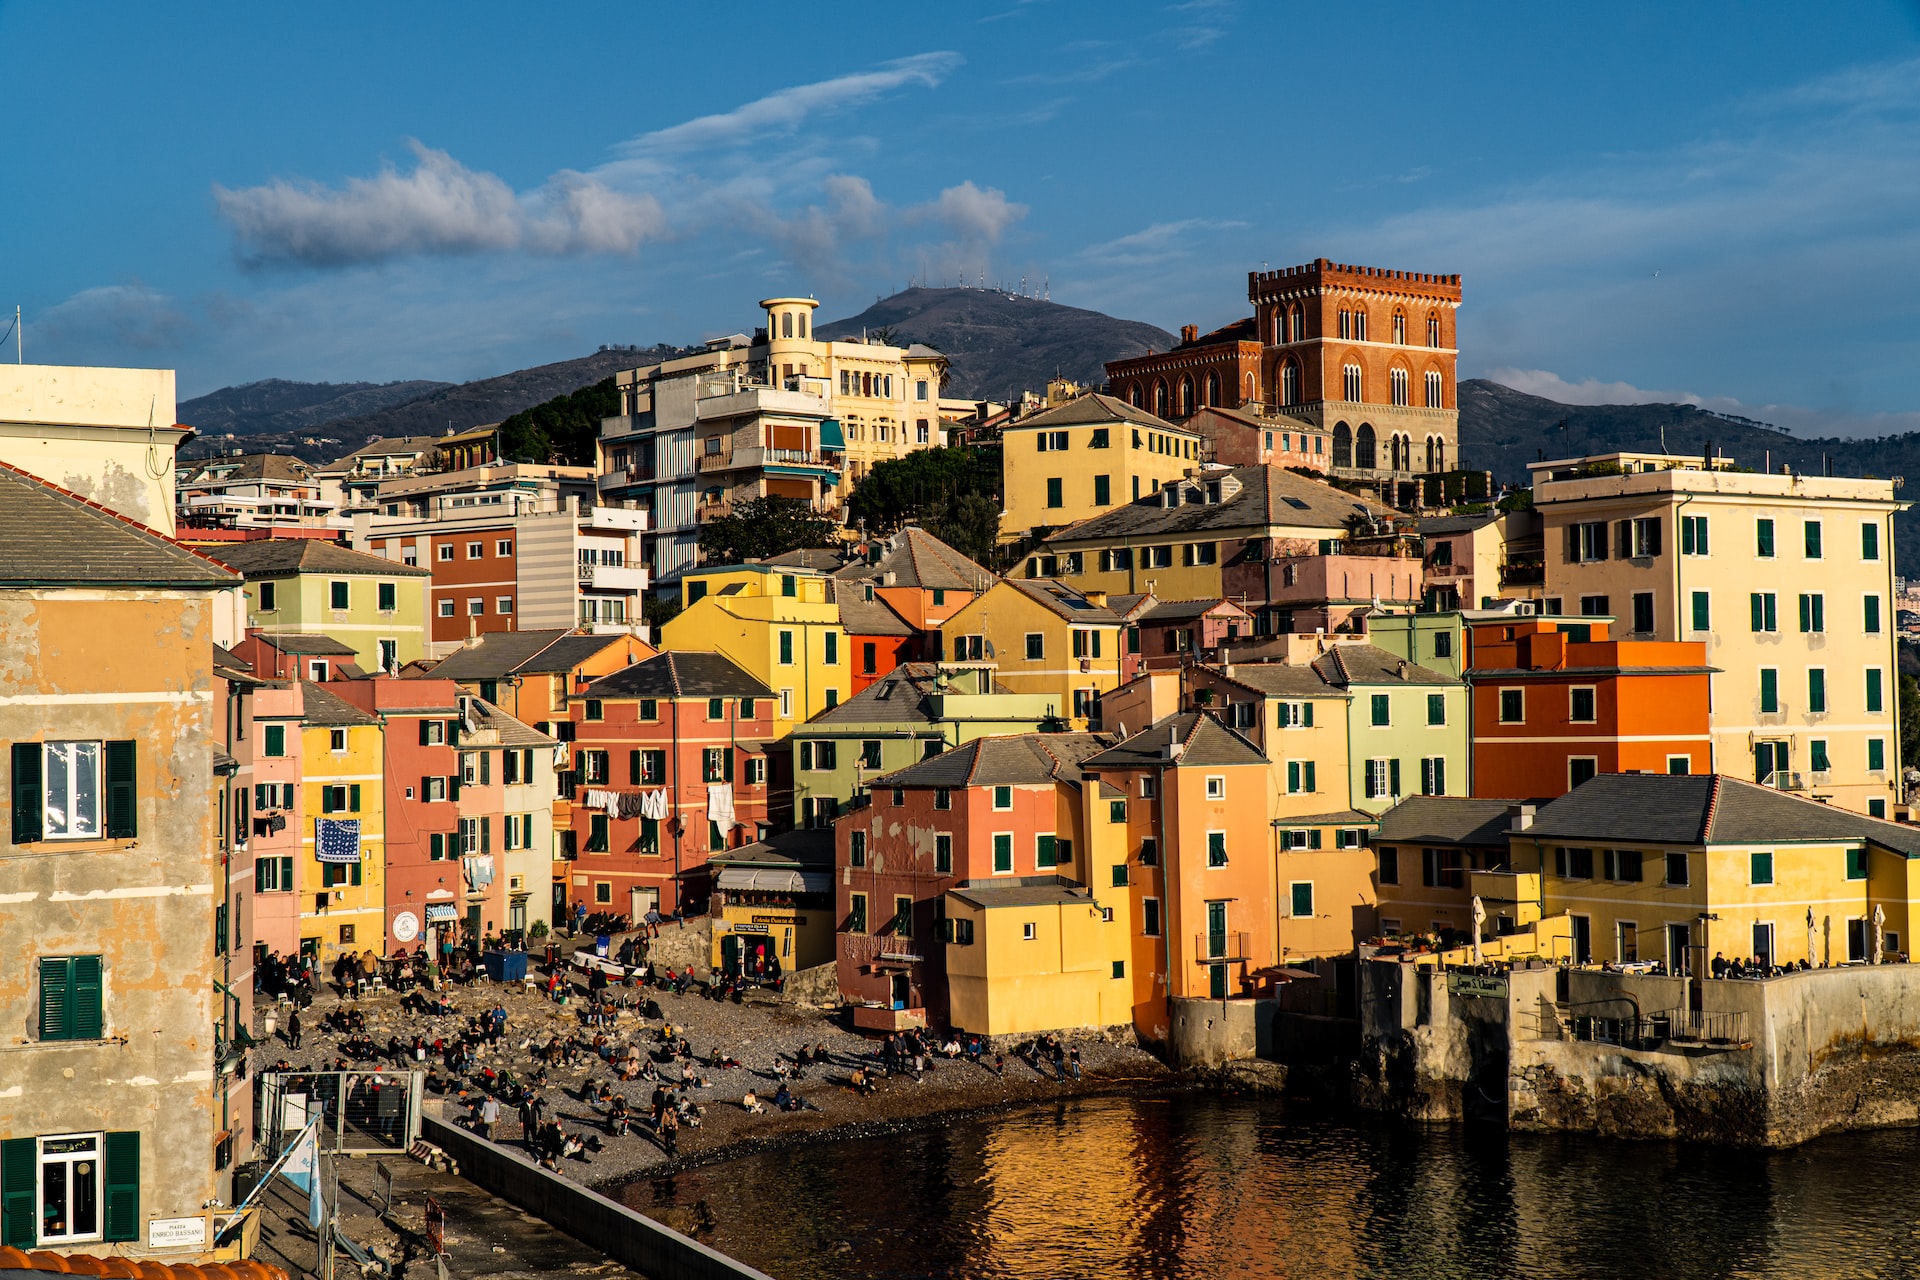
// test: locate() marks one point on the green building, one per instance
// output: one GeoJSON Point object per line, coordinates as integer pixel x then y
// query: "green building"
{"type": "Point", "coordinates": [377, 607]}
{"type": "Point", "coordinates": [1436, 641]}
{"type": "Point", "coordinates": [1407, 731]}
{"type": "Point", "coordinates": [919, 709]}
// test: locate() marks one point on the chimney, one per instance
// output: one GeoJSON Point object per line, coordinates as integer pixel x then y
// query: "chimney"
{"type": "Point", "coordinates": [1189, 332]}
{"type": "Point", "coordinates": [1522, 815]}
{"type": "Point", "coordinates": [1098, 599]}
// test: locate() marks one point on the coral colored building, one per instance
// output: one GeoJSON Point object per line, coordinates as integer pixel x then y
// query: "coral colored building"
{"type": "Point", "coordinates": [1556, 702]}
{"type": "Point", "coordinates": [696, 727]}
{"type": "Point", "coordinates": [277, 793]}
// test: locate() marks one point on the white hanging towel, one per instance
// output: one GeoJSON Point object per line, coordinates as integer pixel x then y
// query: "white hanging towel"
{"type": "Point", "coordinates": [720, 805]}
{"type": "Point", "coordinates": [654, 804]}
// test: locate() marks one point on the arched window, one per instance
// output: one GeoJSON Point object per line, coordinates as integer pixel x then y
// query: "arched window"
{"type": "Point", "coordinates": [1279, 327]}
{"type": "Point", "coordinates": [786, 324]}
{"type": "Point", "coordinates": [1398, 381]}
{"type": "Point", "coordinates": [1295, 329]}
{"type": "Point", "coordinates": [1346, 323]}
{"type": "Point", "coordinates": [1289, 382]}
{"type": "Point", "coordinates": [1359, 326]}
{"type": "Point", "coordinates": [1342, 445]}
{"type": "Point", "coordinates": [1363, 452]}
{"type": "Point", "coordinates": [1159, 398]}
{"type": "Point", "coordinates": [803, 324]}
{"type": "Point", "coordinates": [1186, 395]}
{"type": "Point", "coordinates": [1400, 328]}
{"type": "Point", "coordinates": [1437, 454]}
{"type": "Point", "coordinates": [1212, 392]}
{"type": "Point", "coordinates": [1433, 329]}
{"type": "Point", "coordinates": [1133, 394]}
{"type": "Point", "coordinates": [1249, 392]}
{"type": "Point", "coordinates": [1351, 377]}
{"type": "Point", "coordinates": [1436, 392]}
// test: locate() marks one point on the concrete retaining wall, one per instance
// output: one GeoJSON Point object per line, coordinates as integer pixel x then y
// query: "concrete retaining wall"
{"type": "Point", "coordinates": [632, 1239]}
{"type": "Point", "coordinates": [1202, 1034]}
{"type": "Point", "coordinates": [815, 988]}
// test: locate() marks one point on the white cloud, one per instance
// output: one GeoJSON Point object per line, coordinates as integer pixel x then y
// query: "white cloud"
{"type": "Point", "coordinates": [975, 215]}
{"type": "Point", "coordinates": [1155, 244]}
{"type": "Point", "coordinates": [1551, 386]}
{"type": "Point", "coordinates": [121, 316]}
{"type": "Point", "coordinates": [1801, 420]}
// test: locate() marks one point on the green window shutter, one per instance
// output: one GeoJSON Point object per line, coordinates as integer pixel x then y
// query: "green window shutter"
{"type": "Point", "coordinates": [1293, 776]}
{"type": "Point", "coordinates": [833, 648]}
{"type": "Point", "coordinates": [353, 798]}
{"type": "Point", "coordinates": [18, 1158]}
{"type": "Point", "coordinates": [120, 1180]}
{"type": "Point", "coordinates": [353, 875]}
{"type": "Point", "coordinates": [84, 1015]}
{"type": "Point", "coordinates": [423, 733]}
{"type": "Point", "coordinates": [1806, 614]}
{"type": "Point", "coordinates": [486, 768]}
{"type": "Point", "coordinates": [633, 767]}
{"type": "Point", "coordinates": [1393, 777]}
{"type": "Point", "coordinates": [1769, 690]}
{"type": "Point", "coordinates": [1045, 854]}
{"type": "Point", "coordinates": [453, 787]}
{"type": "Point", "coordinates": [1759, 618]}
{"type": "Point", "coordinates": [1003, 853]}
{"type": "Point", "coordinates": [1306, 714]}
{"type": "Point", "coordinates": [1873, 690]}
{"type": "Point", "coordinates": [276, 740]}
{"type": "Point", "coordinates": [436, 846]}
{"type": "Point", "coordinates": [56, 989]}
{"type": "Point", "coordinates": [786, 648]}
{"type": "Point", "coordinates": [27, 795]}
{"type": "Point", "coordinates": [1311, 785]}
{"type": "Point", "coordinates": [486, 835]}
{"type": "Point", "coordinates": [326, 799]}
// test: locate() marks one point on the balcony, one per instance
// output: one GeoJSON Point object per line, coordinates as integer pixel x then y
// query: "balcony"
{"type": "Point", "coordinates": [612, 577]}
{"type": "Point", "coordinates": [734, 403]}
{"type": "Point", "coordinates": [878, 1018]}
{"type": "Point", "coordinates": [616, 519]}
{"type": "Point", "coordinates": [752, 457]}
{"type": "Point", "coordinates": [715, 462]}
{"type": "Point", "coordinates": [1523, 573]}
{"type": "Point", "coordinates": [1220, 948]}
{"type": "Point", "coordinates": [624, 476]}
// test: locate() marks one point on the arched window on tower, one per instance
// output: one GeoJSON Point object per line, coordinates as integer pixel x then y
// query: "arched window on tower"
{"type": "Point", "coordinates": [1363, 450]}
{"type": "Point", "coordinates": [1436, 391]}
{"type": "Point", "coordinates": [803, 324]}
{"type": "Point", "coordinates": [1249, 390]}
{"type": "Point", "coordinates": [1400, 328]}
{"type": "Point", "coordinates": [1159, 398]}
{"type": "Point", "coordinates": [1342, 445]}
{"type": "Point", "coordinates": [1433, 330]}
{"type": "Point", "coordinates": [1350, 376]}
{"type": "Point", "coordinates": [1212, 392]}
{"type": "Point", "coordinates": [1295, 328]}
{"type": "Point", "coordinates": [1346, 323]}
{"type": "Point", "coordinates": [1186, 395]}
{"type": "Point", "coordinates": [1133, 394]}
{"type": "Point", "coordinates": [1359, 325]}
{"type": "Point", "coordinates": [1398, 380]}
{"type": "Point", "coordinates": [1289, 382]}
{"type": "Point", "coordinates": [1436, 454]}
{"type": "Point", "coordinates": [786, 324]}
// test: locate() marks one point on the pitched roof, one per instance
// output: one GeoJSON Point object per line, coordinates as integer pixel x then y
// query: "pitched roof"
{"type": "Point", "coordinates": [1279, 680]}
{"type": "Point", "coordinates": [1447, 820]}
{"type": "Point", "coordinates": [513, 733]}
{"type": "Point", "coordinates": [899, 697]}
{"type": "Point", "coordinates": [821, 559]}
{"type": "Point", "coordinates": [1337, 818]}
{"type": "Point", "coordinates": [324, 707]}
{"type": "Point", "coordinates": [1442, 525]}
{"type": "Point", "coordinates": [916, 558]}
{"type": "Point", "coordinates": [1250, 498]}
{"type": "Point", "coordinates": [383, 446]}
{"type": "Point", "coordinates": [1660, 808]}
{"type": "Point", "coordinates": [803, 847]}
{"type": "Point", "coordinates": [277, 557]}
{"type": "Point", "coordinates": [1186, 610]}
{"type": "Point", "coordinates": [1068, 602]}
{"type": "Point", "coordinates": [1350, 664]}
{"type": "Point", "coordinates": [860, 616]}
{"type": "Point", "coordinates": [1026, 891]}
{"type": "Point", "coordinates": [252, 466]}
{"type": "Point", "coordinates": [304, 644]}
{"type": "Point", "coordinates": [1125, 604]}
{"type": "Point", "coordinates": [680, 674]}
{"type": "Point", "coordinates": [494, 655]}
{"type": "Point", "coordinates": [1203, 740]}
{"type": "Point", "coordinates": [1092, 409]}
{"type": "Point", "coordinates": [564, 654]}
{"type": "Point", "coordinates": [1022, 759]}
{"type": "Point", "coordinates": [52, 537]}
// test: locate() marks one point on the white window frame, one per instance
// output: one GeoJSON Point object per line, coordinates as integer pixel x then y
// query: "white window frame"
{"type": "Point", "coordinates": [75, 749]}
{"type": "Point", "coordinates": [1500, 706]}
{"type": "Point", "coordinates": [1216, 786]}
{"type": "Point", "coordinates": [447, 607]}
{"type": "Point", "coordinates": [476, 606]}
{"type": "Point", "coordinates": [40, 1164]}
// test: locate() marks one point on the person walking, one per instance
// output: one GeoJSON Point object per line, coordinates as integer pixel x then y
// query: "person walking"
{"type": "Point", "coordinates": [489, 1116]}
{"type": "Point", "coordinates": [293, 1029]}
{"type": "Point", "coordinates": [670, 1131]}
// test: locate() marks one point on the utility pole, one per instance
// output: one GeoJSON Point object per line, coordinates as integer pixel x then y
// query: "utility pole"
{"type": "Point", "coordinates": [19, 356]}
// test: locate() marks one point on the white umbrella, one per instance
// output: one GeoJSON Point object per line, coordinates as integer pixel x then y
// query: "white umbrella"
{"type": "Point", "coordinates": [1479, 918]}
{"type": "Point", "coordinates": [1879, 931]}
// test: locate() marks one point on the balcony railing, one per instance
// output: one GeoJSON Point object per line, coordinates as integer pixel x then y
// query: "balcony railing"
{"type": "Point", "coordinates": [1220, 948]}
{"type": "Point", "coordinates": [1523, 573]}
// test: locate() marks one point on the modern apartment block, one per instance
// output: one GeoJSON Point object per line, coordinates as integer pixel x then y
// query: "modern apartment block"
{"type": "Point", "coordinates": [252, 491]}
{"type": "Point", "coordinates": [1787, 579]}
{"type": "Point", "coordinates": [779, 414]}
{"type": "Point", "coordinates": [512, 547]}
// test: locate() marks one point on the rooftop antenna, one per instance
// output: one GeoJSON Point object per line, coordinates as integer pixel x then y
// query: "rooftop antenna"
{"type": "Point", "coordinates": [18, 356]}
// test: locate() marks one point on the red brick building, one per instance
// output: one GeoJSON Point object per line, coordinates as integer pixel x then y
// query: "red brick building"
{"type": "Point", "coordinates": [694, 732]}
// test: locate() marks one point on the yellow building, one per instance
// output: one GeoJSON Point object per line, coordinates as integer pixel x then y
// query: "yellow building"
{"type": "Point", "coordinates": [1297, 719]}
{"type": "Point", "coordinates": [1042, 637]}
{"type": "Point", "coordinates": [343, 903]}
{"type": "Point", "coordinates": [779, 624]}
{"type": "Point", "coordinates": [1787, 579]}
{"type": "Point", "coordinates": [1681, 869]}
{"type": "Point", "coordinates": [1079, 459]}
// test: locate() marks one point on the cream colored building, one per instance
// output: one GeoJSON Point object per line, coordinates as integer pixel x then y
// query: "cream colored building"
{"type": "Point", "coordinates": [105, 434]}
{"type": "Point", "coordinates": [1788, 579]}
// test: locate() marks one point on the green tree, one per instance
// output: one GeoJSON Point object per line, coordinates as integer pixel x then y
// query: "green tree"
{"type": "Point", "coordinates": [919, 486]}
{"type": "Point", "coordinates": [562, 430]}
{"type": "Point", "coordinates": [764, 527]}
{"type": "Point", "coordinates": [970, 524]}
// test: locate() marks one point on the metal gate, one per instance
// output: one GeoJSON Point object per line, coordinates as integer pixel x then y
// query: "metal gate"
{"type": "Point", "coordinates": [362, 1112]}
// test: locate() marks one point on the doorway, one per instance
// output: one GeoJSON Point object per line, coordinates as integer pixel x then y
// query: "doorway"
{"type": "Point", "coordinates": [1768, 758]}
{"type": "Point", "coordinates": [1763, 943]}
{"type": "Point", "coordinates": [1582, 939]}
{"type": "Point", "coordinates": [901, 991]}
{"type": "Point", "coordinates": [640, 902]}
{"type": "Point", "coordinates": [1857, 939]}
{"type": "Point", "coordinates": [1679, 957]}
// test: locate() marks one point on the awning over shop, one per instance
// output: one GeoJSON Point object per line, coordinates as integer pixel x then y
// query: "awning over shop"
{"type": "Point", "coordinates": [830, 437]}
{"type": "Point", "coordinates": [772, 880]}
{"type": "Point", "coordinates": [441, 913]}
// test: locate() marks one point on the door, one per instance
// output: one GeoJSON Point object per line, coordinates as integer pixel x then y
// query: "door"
{"type": "Point", "coordinates": [1217, 946]}
{"type": "Point", "coordinates": [473, 926]}
{"type": "Point", "coordinates": [1626, 941]}
{"type": "Point", "coordinates": [1582, 939]}
{"type": "Point", "coordinates": [1858, 939]}
{"type": "Point", "coordinates": [1768, 757]}
{"type": "Point", "coordinates": [1763, 943]}
{"type": "Point", "coordinates": [641, 901]}
{"type": "Point", "coordinates": [729, 955]}
{"type": "Point", "coordinates": [1678, 939]}
{"type": "Point", "coordinates": [901, 991]}
{"type": "Point", "coordinates": [69, 1189]}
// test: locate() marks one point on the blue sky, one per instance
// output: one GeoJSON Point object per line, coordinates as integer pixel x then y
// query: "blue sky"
{"type": "Point", "coordinates": [1713, 201]}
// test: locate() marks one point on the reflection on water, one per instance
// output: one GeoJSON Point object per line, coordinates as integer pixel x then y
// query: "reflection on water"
{"type": "Point", "coordinates": [1197, 1186]}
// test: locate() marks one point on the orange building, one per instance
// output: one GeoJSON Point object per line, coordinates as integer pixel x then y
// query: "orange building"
{"type": "Point", "coordinates": [1556, 702]}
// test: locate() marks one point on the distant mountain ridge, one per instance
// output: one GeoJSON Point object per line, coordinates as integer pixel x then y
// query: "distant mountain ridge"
{"type": "Point", "coordinates": [1002, 344]}
{"type": "Point", "coordinates": [276, 405]}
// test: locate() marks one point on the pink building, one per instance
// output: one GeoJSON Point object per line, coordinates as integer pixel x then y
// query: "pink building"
{"type": "Point", "coordinates": [276, 818]}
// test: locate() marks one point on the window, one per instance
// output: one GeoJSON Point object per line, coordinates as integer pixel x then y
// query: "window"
{"type": "Point", "coordinates": [1055, 498]}
{"type": "Point", "coordinates": [1877, 808]}
{"type": "Point", "coordinates": [337, 741]}
{"type": "Point", "coordinates": [1436, 390]}
{"type": "Point", "coordinates": [1876, 754]}
{"type": "Point", "coordinates": [387, 596]}
{"type": "Point", "coordinates": [1702, 613]}
{"type": "Point", "coordinates": [1760, 868]}
{"type": "Point", "coordinates": [857, 848]}
{"type": "Point", "coordinates": [1769, 690]}
{"type": "Point", "coordinates": [1513, 706]}
{"type": "Point", "coordinates": [1216, 786]}
{"type": "Point", "coordinates": [337, 595]}
{"type": "Point", "coordinates": [943, 854]}
{"type": "Point", "coordinates": [1581, 769]}
{"type": "Point", "coordinates": [1150, 917]}
{"type": "Point", "coordinates": [1643, 611]}
{"type": "Point", "coordinates": [269, 597]}
{"type": "Point", "coordinates": [1594, 607]}
{"type": "Point", "coordinates": [1003, 853]}
{"type": "Point", "coordinates": [1036, 646]}
{"type": "Point", "coordinates": [503, 605]}
{"type": "Point", "coordinates": [1817, 756]}
{"type": "Point", "coordinates": [1874, 700]}
{"type": "Point", "coordinates": [1027, 933]}
{"type": "Point", "coordinates": [597, 833]}
{"type": "Point", "coordinates": [1294, 715]}
{"type": "Point", "coordinates": [1573, 864]}
{"type": "Point", "coordinates": [1580, 705]}
{"type": "Point", "coordinates": [1216, 848]}
{"type": "Point", "coordinates": [1857, 858]}
{"type": "Point", "coordinates": [1813, 614]}
{"type": "Point", "coordinates": [476, 607]}
{"type": "Point", "coordinates": [1102, 491]}
{"type": "Point", "coordinates": [70, 998]}
{"type": "Point", "coordinates": [59, 787]}
{"type": "Point", "coordinates": [595, 709]}
{"type": "Point", "coordinates": [1002, 798]}
{"type": "Point", "coordinates": [716, 764]}
{"type": "Point", "coordinates": [1302, 895]}
{"type": "Point", "coordinates": [1816, 693]}
{"type": "Point", "coordinates": [1644, 537]}
{"type": "Point", "coordinates": [1870, 615]}
{"type": "Point", "coordinates": [445, 608]}
{"type": "Point", "coordinates": [1397, 386]}
{"type": "Point", "coordinates": [1116, 811]}
{"type": "Point", "coordinates": [942, 798]}
{"type": "Point", "coordinates": [1763, 539]}
{"type": "Point", "coordinates": [1763, 606]}
{"type": "Point", "coordinates": [1587, 541]}
{"type": "Point", "coordinates": [1350, 376]}
{"type": "Point", "coordinates": [1046, 852]}
{"type": "Point", "coordinates": [1677, 870]}
{"type": "Point", "coordinates": [1383, 778]}
{"type": "Point", "coordinates": [756, 771]}
{"type": "Point", "coordinates": [1379, 708]}
{"type": "Point", "coordinates": [1433, 776]}
{"type": "Point", "coordinates": [273, 875]}
{"type": "Point", "coordinates": [786, 649]}
{"type": "Point", "coordinates": [1811, 538]}
{"type": "Point", "coordinates": [1149, 852]}
{"type": "Point", "coordinates": [857, 913]}
{"type": "Point", "coordinates": [832, 649]}
{"type": "Point", "coordinates": [1146, 786]}
{"type": "Point", "coordinates": [903, 917]}
{"type": "Point", "coordinates": [1693, 535]}
{"type": "Point", "coordinates": [1300, 777]}
{"type": "Point", "coordinates": [446, 551]}
{"type": "Point", "coordinates": [1869, 541]}
{"type": "Point", "coordinates": [1623, 865]}
{"type": "Point", "coordinates": [1389, 865]}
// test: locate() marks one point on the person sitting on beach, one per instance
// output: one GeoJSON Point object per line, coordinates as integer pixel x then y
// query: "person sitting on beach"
{"type": "Point", "coordinates": [690, 1112]}
{"type": "Point", "coordinates": [752, 1105]}
{"type": "Point", "coordinates": [951, 1048]}
{"type": "Point", "coordinates": [721, 1061]}
{"type": "Point", "coordinates": [690, 1078]}
{"type": "Point", "coordinates": [618, 1118]}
